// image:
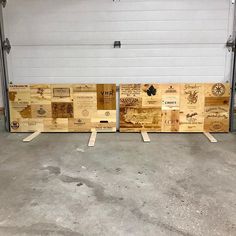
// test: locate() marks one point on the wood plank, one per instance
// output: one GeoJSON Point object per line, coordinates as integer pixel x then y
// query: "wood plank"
{"type": "Point", "coordinates": [145, 137]}
{"type": "Point", "coordinates": [92, 139]}
{"type": "Point", "coordinates": [32, 136]}
{"type": "Point", "coordinates": [63, 108]}
{"type": "Point", "coordinates": [191, 107]}
{"type": "Point", "coordinates": [210, 137]}
{"type": "Point", "coordinates": [106, 96]}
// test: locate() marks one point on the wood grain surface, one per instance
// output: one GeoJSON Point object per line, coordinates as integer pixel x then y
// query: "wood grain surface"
{"type": "Point", "coordinates": [174, 107]}
{"type": "Point", "coordinates": [63, 108]}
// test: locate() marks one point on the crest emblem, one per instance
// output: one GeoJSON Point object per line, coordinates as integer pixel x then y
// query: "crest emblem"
{"type": "Point", "coordinates": [15, 125]}
{"type": "Point", "coordinates": [192, 97]}
{"type": "Point", "coordinates": [218, 90]}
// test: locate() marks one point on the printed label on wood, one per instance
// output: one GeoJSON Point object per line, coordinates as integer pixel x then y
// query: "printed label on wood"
{"type": "Point", "coordinates": [27, 125]}
{"type": "Point", "coordinates": [170, 96]}
{"type": "Point", "coordinates": [216, 119]}
{"type": "Point", "coordinates": [140, 119]}
{"type": "Point", "coordinates": [55, 125]}
{"type": "Point", "coordinates": [61, 93]}
{"type": "Point", "coordinates": [80, 125]}
{"type": "Point", "coordinates": [62, 110]}
{"type": "Point", "coordinates": [85, 104]}
{"type": "Point", "coordinates": [19, 93]}
{"type": "Point", "coordinates": [40, 94]}
{"type": "Point", "coordinates": [41, 111]}
{"type": "Point", "coordinates": [106, 96]}
{"type": "Point", "coordinates": [78, 88]}
{"type": "Point", "coordinates": [130, 95]}
{"type": "Point", "coordinates": [151, 95]}
{"type": "Point", "coordinates": [20, 110]}
{"type": "Point", "coordinates": [170, 121]}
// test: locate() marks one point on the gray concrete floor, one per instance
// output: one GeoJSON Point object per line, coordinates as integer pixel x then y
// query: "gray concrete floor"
{"type": "Point", "coordinates": [179, 184]}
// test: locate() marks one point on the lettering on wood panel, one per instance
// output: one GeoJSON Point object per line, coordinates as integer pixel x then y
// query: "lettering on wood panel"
{"type": "Point", "coordinates": [191, 107]}
{"type": "Point", "coordinates": [62, 108]}
{"type": "Point", "coordinates": [41, 111]}
{"type": "Point", "coordinates": [40, 94]}
{"type": "Point", "coordinates": [106, 96]}
{"type": "Point", "coordinates": [130, 95]}
{"type": "Point", "coordinates": [151, 95]}
{"type": "Point", "coordinates": [19, 93]}
{"type": "Point", "coordinates": [183, 107]}
{"type": "Point", "coordinates": [77, 88]}
{"type": "Point", "coordinates": [79, 125]}
{"type": "Point", "coordinates": [20, 110]}
{"type": "Point", "coordinates": [140, 119]}
{"type": "Point", "coordinates": [85, 104]}
{"type": "Point", "coordinates": [55, 125]}
{"type": "Point", "coordinates": [170, 121]}
{"type": "Point", "coordinates": [216, 119]}
{"type": "Point", "coordinates": [61, 93]}
{"type": "Point", "coordinates": [170, 96]}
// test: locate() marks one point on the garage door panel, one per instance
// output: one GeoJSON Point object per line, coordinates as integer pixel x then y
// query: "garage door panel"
{"type": "Point", "coordinates": [166, 41]}
{"type": "Point", "coordinates": [121, 26]}
{"type": "Point", "coordinates": [108, 5]}
{"type": "Point", "coordinates": [121, 71]}
{"type": "Point", "coordinates": [116, 62]}
{"type": "Point", "coordinates": [141, 37]}
{"type": "Point", "coordinates": [129, 51]}
{"type": "Point", "coordinates": [109, 79]}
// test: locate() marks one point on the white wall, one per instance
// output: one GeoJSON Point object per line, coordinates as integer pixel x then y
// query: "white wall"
{"type": "Point", "coordinates": [163, 41]}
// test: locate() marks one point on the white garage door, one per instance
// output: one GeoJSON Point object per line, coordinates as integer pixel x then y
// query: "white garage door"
{"type": "Point", "coordinates": [162, 40]}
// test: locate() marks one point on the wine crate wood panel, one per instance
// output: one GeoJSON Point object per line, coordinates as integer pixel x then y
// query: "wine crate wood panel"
{"type": "Point", "coordinates": [63, 107]}
{"type": "Point", "coordinates": [189, 107]}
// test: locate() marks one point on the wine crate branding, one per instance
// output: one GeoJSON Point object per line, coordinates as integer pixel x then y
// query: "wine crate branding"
{"type": "Point", "coordinates": [40, 94]}
{"type": "Point", "coordinates": [62, 107]}
{"type": "Point", "coordinates": [106, 97]}
{"type": "Point", "coordinates": [41, 111]}
{"type": "Point", "coordinates": [192, 107]}
{"type": "Point", "coordinates": [170, 96]}
{"type": "Point", "coordinates": [151, 95]}
{"type": "Point", "coordinates": [130, 95]}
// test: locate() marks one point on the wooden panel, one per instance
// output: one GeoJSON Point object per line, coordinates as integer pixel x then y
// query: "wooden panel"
{"type": "Point", "coordinates": [216, 119]}
{"type": "Point", "coordinates": [63, 108]}
{"type": "Point", "coordinates": [170, 121]}
{"type": "Point", "coordinates": [61, 93]}
{"type": "Point", "coordinates": [106, 96]}
{"type": "Point", "coordinates": [56, 125]}
{"type": "Point", "coordinates": [130, 95]}
{"type": "Point", "coordinates": [217, 107]}
{"type": "Point", "coordinates": [27, 125]}
{"type": "Point", "coordinates": [151, 95]}
{"type": "Point", "coordinates": [192, 107]}
{"type": "Point", "coordinates": [40, 94]}
{"type": "Point", "coordinates": [140, 107]}
{"type": "Point", "coordinates": [174, 107]}
{"type": "Point", "coordinates": [170, 96]}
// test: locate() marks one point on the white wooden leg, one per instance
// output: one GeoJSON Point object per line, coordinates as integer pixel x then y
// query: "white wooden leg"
{"type": "Point", "coordinates": [92, 139]}
{"type": "Point", "coordinates": [145, 136]}
{"type": "Point", "coordinates": [210, 137]}
{"type": "Point", "coordinates": [32, 136]}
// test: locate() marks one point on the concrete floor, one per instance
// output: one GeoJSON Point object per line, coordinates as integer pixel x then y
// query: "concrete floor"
{"type": "Point", "coordinates": [179, 184]}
